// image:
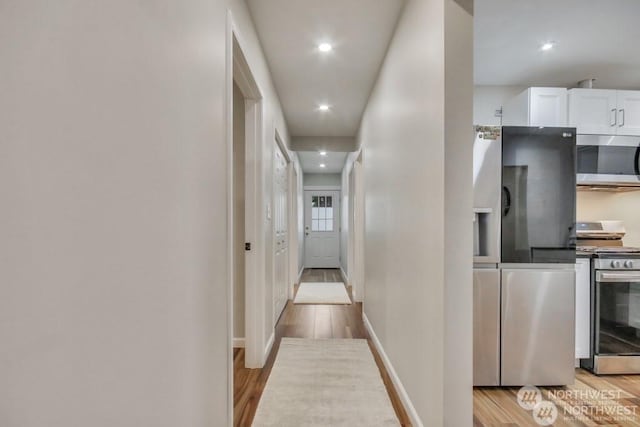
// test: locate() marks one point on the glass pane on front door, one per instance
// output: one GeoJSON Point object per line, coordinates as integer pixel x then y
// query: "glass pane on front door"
{"type": "Point", "coordinates": [322, 213]}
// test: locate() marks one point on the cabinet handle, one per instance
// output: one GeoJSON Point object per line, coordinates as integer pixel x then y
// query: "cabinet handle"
{"type": "Point", "coordinates": [622, 119]}
{"type": "Point", "coordinates": [614, 117]}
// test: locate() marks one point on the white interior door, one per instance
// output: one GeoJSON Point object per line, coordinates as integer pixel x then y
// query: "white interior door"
{"type": "Point", "coordinates": [280, 225]}
{"type": "Point", "coordinates": [322, 229]}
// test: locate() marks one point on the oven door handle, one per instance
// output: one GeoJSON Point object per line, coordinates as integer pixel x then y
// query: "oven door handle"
{"type": "Point", "coordinates": [602, 276]}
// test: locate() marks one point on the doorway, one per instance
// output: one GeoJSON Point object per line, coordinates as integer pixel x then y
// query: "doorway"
{"type": "Point", "coordinates": [322, 229]}
{"type": "Point", "coordinates": [245, 232]}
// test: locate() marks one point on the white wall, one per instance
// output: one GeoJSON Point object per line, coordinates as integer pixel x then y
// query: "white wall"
{"type": "Point", "coordinates": [488, 99]}
{"type": "Point", "coordinates": [458, 297]}
{"type": "Point", "coordinates": [320, 179]}
{"type": "Point", "coordinates": [403, 141]}
{"type": "Point", "coordinates": [597, 205]}
{"type": "Point", "coordinates": [114, 263]}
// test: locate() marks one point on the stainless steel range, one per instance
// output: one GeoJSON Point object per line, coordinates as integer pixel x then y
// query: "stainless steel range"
{"type": "Point", "coordinates": [615, 307]}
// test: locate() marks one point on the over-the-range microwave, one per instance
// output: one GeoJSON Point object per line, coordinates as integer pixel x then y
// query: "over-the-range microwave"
{"type": "Point", "coordinates": [608, 160]}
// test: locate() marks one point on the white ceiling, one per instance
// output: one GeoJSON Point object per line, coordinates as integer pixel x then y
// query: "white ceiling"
{"type": "Point", "coordinates": [290, 31]}
{"type": "Point", "coordinates": [310, 161]}
{"type": "Point", "coordinates": [595, 39]}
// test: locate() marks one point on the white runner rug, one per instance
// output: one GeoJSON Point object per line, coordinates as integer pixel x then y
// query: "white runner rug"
{"type": "Point", "coordinates": [324, 382]}
{"type": "Point", "coordinates": [322, 293]}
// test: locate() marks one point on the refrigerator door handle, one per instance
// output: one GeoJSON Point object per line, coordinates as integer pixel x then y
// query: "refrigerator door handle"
{"type": "Point", "coordinates": [507, 198]}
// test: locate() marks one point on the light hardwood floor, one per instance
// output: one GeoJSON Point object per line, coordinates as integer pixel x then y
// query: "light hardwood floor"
{"type": "Point", "coordinates": [616, 395]}
{"type": "Point", "coordinates": [493, 407]}
{"type": "Point", "coordinates": [305, 321]}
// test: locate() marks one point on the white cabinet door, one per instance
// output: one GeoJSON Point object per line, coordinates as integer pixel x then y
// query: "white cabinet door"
{"type": "Point", "coordinates": [547, 106]}
{"type": "Point", "coordinates": [537, 106]}
{"type": "Point", "coordinates": [628, 112]}
{"type": "Point", "coordinates": [593, 111]}
{"type": "Point", "coordinates": [583, 287]}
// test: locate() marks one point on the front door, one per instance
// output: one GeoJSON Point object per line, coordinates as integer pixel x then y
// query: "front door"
{"type": "Point", "coordinates": [322, 229]}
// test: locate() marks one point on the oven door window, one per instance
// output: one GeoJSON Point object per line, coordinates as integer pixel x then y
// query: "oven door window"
{"type": "Point", "coordinates": [618, 317]}
{"type": "Point", "coordinates": [608, 160]}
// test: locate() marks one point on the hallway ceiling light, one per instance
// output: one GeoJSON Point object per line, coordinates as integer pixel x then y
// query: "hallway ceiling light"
{"type": "Point", "coordinates": [323, 153]}
{"type": "Point", "coordinates": [325, 47]}
{"type": "Point", "coordinates": [323, 107]}
{"type": "Point", "coordinates": [547, 46]}
{"type": "Point", "coordinates": [322, 165]}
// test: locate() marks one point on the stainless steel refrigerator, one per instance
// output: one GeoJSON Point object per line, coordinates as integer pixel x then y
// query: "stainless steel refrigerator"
{"type": "Point", "coordinates": [524, 256]}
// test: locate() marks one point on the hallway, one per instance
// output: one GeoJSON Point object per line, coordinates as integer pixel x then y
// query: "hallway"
{"type": "Point", "coordinates": [155, 159]}
{"type": "Point", "coordinates": [305, 321]}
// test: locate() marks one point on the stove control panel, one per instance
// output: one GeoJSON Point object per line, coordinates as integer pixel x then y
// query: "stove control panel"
{"type": "Point", "coordinates": [616, 264]}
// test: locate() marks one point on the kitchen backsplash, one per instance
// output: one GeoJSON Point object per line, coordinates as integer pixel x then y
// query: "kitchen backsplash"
{"type": "Point", "coordinates": [597, 205]}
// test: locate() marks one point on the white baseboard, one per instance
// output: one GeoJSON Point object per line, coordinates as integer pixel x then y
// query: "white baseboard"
{"type": "Point", "coordinates": [269, 346]}
{"type": "Point", "coordinates": [238, 343]}
{"type": "Point", "coordinates": [344, 276]}
{"type": "Point", "coordinates": [300, 274]}
{"type": "Point", "coordinates": [402, 393]}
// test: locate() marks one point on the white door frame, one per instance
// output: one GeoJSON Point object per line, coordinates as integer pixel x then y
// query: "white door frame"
{"type": "Point", "coordinates": [293, 228]}
{"type": "Point", "coordinates": [351, 200]}
{"type": "Point", "coordinates": [358, 229]}
{"type": "Point", "coordinates": [355, 220]}
{"type": "Point", "coordinates": [238, 69]}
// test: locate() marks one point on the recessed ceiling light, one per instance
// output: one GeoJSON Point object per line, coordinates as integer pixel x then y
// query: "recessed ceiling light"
{"type": "Point", "coordinates": [547, 46]}
{"type": "Point", "coordinates": [323, 107]}
{"type": "Point", "coordinates": [323, 153]}
{"type": "Point", "coordinates": [322, 165]}
{"type": "Point", "coordinates": [325, 47]}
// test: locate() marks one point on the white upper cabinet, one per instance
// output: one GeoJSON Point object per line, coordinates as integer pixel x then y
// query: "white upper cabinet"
{"type": "Point", "coordinates": [593, 111]}
{"type": "Point", "coordinates": [537, 106]}
{"type": "Point", "coordinates": [628, 112]}
{"type": "Point", "coordinates": [605, 112]}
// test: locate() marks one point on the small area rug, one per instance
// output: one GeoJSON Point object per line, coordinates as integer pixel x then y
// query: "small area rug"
{"type": "Point", "coordinates": [324, 382]}
{"type": "Point", "coordinates": [322, 293]}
